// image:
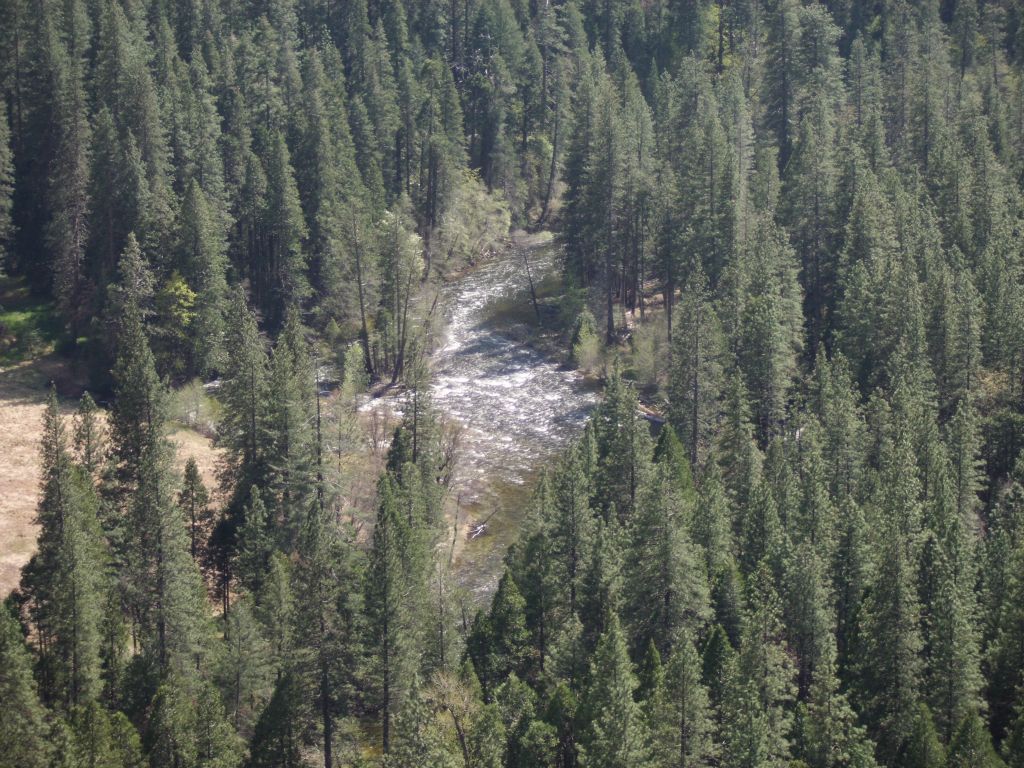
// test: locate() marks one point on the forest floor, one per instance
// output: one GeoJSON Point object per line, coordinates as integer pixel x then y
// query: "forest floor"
{"type": "Point", "coordinates": [23, 390]}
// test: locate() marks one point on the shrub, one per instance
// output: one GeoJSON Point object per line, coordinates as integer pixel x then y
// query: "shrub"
{"type": "Point", "coordinates": [585, 348]}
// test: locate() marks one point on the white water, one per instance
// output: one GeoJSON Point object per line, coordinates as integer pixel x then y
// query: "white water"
{"type": "Point", "coordinates": [516, 407]}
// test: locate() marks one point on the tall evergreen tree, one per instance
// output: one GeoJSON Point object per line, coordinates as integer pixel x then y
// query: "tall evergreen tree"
{"type": "Point", "coordinates": [616, 734]}
{"type": "Point", "coordinates": [23, 729]}
{"type": "Point", "coordinates": [763, 684]}
{"type": "Point", "coordinates": [69, 576]}
{"type": "Point", "coordinates": [194, 501]}
{"type": "Point", "coordinates": [203, 264]}
{"type": "Point", "coordinates": [6, 184]}
{"type": "Point", "coordinates": [890, 664]}
{"type": "Point", "coordinates": [89, 436]}
{"type": "Point", "coordinates": [243, 428]}
{"type": "Point", "coordinates": [388, 612]}
{"type": "Point", "coordinates": [666, 583]}
{"type": "Point", "coordinates": [696, 378]}
{"type": "Point", "coordinates": [679, 713]}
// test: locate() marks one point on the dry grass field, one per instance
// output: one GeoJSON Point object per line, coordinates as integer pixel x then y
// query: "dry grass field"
{"type": "Point", "coordinates": [23, 388]}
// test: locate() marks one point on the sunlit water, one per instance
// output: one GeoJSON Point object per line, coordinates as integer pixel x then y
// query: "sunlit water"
{"type": "Point", "coordinates": [516, 408]}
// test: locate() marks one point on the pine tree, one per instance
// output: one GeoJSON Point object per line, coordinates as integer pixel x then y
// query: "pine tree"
{"type": "Point", "coordinates": [889, 664]}
{"type": "Point", "coordinates": [102, 738]}
{"type": "Point", "coordinates": [6, 186]}
{"type": "Point", "coordinates": [951, 640]}
{"type": "Point", "coordinates": [746, 736]}
{"type": "Point", "coordinates": [666, 586]}
{"type": "Point", "coordinates": [114, 215]}
{"type": "Point", "coordinates": [679, 714]}
{"type": "Point", "coordinates": [187, 727]}
{"type": "Point", "coordinates": [281, 279]}
{"type": "Point", "coordinates": [517, 705]}
{"type": "Point", "coordinates": [328, 622]}
{"type": "Point", "coordinates": [1013, 746]}
{"type": "Point", "coordinates": [328, 179]}
{"type": "Point", "coordinates": [924, 750]}
{"type": "Point", "coordinates": [276, 740]}
{"type": "Point", "coordinates": [1004, 669]}
{"type": "Point", "coordinates": [704, 204]}
{"type": "Point", "coordinates": [842, 427]}
{"type": "Point", "coordinates": [623, 449]}
{"type": "Point", "coordinates": [782, 78]}
{"type": "Point", "coordinates": [499, 643]}
{"type": "Point", "coordinates": [771, 333]}
{"type": "Point", "coordinates": [417, 735]}
{"type": "Point", "coordinates": [245, 393]}
{"type": "Point", "coordinates": [712, 524]}
{"type": "Point", "coordinates": [203, 263]}
{"type": "Point", "coordinates": [487, 741]}
{"type": "Point", "coordinates": [808, 200]}
{"type": "Point", "coordinates": [400, 268]}
{"type": "Point", "coordinates": [255, 544]}
{"type": "Point", "coordinates": [137, 421]}
{"type": "Point", "coordinates": [972, 746]}
{"type": "Point", "coordinates": [67, 231]}
{"type": "Point", "coordinates": [696, 378]}
{"type": "Point", "coordinates": [194, 501]}
{"type": "Point", "coordinates": [23, 729]}
{"type": "Point", "coordinates": [124, 85]}
{"type": "Point", "coordinates": [166, 592]}
{"type": "Point", "coordinates": [736, 451]}
{"type": "Point", "coordinates": [387, 609]}
{"type": "Point", "coordinates": [290, 444]}
{"type": "Point", "coordinates": [809, 617]}
{"type": "Point", "coordinates": [243, 670]}
{"type": "Point", "coordinates": [831, 734]}
{"type": "Point", "coordinates": [762, 538]}
{"type": "Point", "coordinates": [163, 583]}
{"type": "Point", "coordinates": [67, 579]}
{"type": "Point", "coordinates": [764, 673]}
{"type": "Point", "coordinates": [851, 572]}
{"type": "Point", "coordinates": [616, 735]}
{"type": "Point", "coordinates": [601, 588]}
{"type": "Point", "coordinates": [572, 528]}
{"type": "Point", "coordinates": [89, 437]}
{"type": "Point", "coordinates": [718, 660]}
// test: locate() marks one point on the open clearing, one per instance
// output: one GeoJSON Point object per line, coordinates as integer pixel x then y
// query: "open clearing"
{"type": "Point", "coordinates": [23, 390]}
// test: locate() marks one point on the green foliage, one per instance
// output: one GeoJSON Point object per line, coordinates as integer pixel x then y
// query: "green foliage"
{"type": "Point", "coordinates": [192, 406]}
{"type": "Point", "coordinates": [68, 578]}
{"type": "Point", "coordinates": [499, 643]}
{"type": "Point", "coordinates": [972, 745]}
{"type": "Point", "coordinates": [584, 345]}
{"type": "Point", "coordinates": [890, 664]}
{"type": "Point", "coordinates": [187, 727]}
{"type": "Point", "coordinates": [28, 325]}
{"type": "Point", "coordinates": [277, 741]}
{"type": "Point", "coordinates": [6, 182]}
{"type": "Point", "coordinates": [797, 223]}
{"type": "Point", "coordinates": [194, 501]}
{"type": "Point", "coordinates": [89, 436]}
{"type": "Point", "coordinates": [696, 378]}
{"type": "Point", "coordinates": [924, 749]}
{"type": "Point", "coordinates": [23, 727]}
{"type": "Point", "coordinates": [679, 713]}
{"type": "Point", "coordinates": [615, 735]}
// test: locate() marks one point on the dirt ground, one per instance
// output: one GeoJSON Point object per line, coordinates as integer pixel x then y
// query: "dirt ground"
{"type": "Point", "coordinates": [23, 389]}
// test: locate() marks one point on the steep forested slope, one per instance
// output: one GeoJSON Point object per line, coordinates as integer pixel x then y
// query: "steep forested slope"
{"type": "Point", "coordinates": [797, 227]}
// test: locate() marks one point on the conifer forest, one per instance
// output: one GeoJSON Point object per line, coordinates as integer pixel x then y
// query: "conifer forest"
{"type": "Point", "coordinates": [563, 383]}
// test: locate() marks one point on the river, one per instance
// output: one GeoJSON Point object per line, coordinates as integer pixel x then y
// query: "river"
{"type": "Point", "coordinates": [516, 407]}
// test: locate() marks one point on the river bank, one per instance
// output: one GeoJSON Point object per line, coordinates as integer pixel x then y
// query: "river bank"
{"type": "Point", "coordinates": [514, 404]}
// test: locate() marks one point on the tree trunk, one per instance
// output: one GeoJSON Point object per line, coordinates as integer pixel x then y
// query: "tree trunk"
{"type": "Point", "coordinates": [364, 333]}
